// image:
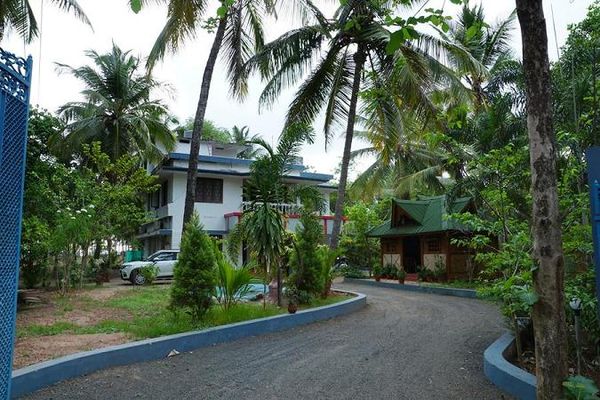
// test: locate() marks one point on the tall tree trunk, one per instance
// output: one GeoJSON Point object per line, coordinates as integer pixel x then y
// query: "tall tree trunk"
{"type": "Point", "coordinates": [192, 172]}
{"type": "Point", "coordinates": [548, 278]}
{"type": "Point", "coordinates": [359, 62]}
{"type": "Point", "coordinates": [84, 261]}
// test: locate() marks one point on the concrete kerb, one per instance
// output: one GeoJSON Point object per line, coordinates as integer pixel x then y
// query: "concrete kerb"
{"type": "Point", "coordinates": [467, 293]}
{"type": "Point", "coordinates": [29, 379]}
{"type": "Point", "coordinates": [505, 375]}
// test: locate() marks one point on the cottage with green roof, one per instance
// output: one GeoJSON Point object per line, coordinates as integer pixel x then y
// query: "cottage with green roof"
{"type": "Point", "coordinates": [419, 233]}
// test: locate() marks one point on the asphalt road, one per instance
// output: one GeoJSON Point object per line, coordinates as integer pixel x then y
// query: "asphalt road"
{"type": "Point", "coordinates": [403, 345]}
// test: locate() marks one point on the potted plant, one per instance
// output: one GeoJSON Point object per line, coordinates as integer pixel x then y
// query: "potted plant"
{"type": "Point", "coordinates": [401, 275]}
{"type": "Point", "coordinates": [392, 272]}
{"type": "Point", "coordinates": [292, 294]}
{"type": "Point", "coordinates": [424, 274]}
{"type": "Point", "coordinates": [377, 271]}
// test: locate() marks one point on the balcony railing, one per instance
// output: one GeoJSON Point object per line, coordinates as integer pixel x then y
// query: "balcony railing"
{"type": "Point", "coordinates": [285, 208]}
{"type": "Point", "coordinates": [161, 212]}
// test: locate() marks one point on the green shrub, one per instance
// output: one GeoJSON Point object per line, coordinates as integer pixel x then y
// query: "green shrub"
{"type": "Point", "coordinates": [583, 286]}
{"type": "Point", "coordinates": [233, 283]}
{"type": "Point", "coordinates": [580, 388]}
{"type": "Point", "coordinates": [34, 251]}
{"type": "Point", "coordinates": [401, 274]}
{"type": "Point", "coordinates": [149, 272]}
{"type": "Point", "coordinates": [328, 274]}
{"type": "Point", "coordinates": [390, 271]}
{"type": "Point", "coordinates": [424, 274]}
{"type": "Point", "coordinates": [377, 270]}
{"type": "Point", "coordinates": [360, 250]}
{"type": "Point", "coordinates": [195, 271]}
{"type": "Point", "coordinates": [292, 294]}
{"type": "Point", "coordinates": [352, 272]}
{"type": "Point", "coordinates": [306, 262]}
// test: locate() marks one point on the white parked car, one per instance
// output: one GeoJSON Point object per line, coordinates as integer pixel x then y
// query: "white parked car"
{"type": "Point", "coordinates": [165, 261]}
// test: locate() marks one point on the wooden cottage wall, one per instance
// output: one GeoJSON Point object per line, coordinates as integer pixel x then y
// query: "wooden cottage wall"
{"type": "Point", "coordinates": [391, 252]}
{"type": "Point", "coordinates": [461, 264]}
{"type": "Point", "coordinates": [434, 250]}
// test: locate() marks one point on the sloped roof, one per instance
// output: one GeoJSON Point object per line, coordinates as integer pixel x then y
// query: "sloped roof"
{"type": "Point", "coordinates": [428, 214]}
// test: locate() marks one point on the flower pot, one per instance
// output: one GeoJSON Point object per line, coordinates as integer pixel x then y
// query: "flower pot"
{"type": "Point", "coordinates": [401, 281]}
{"type": "Point", "coordinates": [292, 308]}
{"type": "Point", "coordinates": [377, 278]}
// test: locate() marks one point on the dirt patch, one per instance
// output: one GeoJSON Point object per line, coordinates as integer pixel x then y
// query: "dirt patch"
{"type": "Point", "coordinates": [105, 293]}
{"type": "Point", "coordinates": [78, 307]}
{"type": "Point", "coordinates": [36, 349]}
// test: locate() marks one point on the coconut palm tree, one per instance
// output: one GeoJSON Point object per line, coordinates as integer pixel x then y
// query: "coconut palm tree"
{"type": "Point", "coordinates": [242, 136]}
{"type": "Point", "coordinates": [263, 227]}
{"type": "Point", "coordinates": [488, 43]}
{"type": "Point", "coordinates": [356, 59]}
{"type": "Point", "coordinates": [18, 15]}
{"type": "Point", "coordinates": [404, 163]}
{"type": "Point", "coordinates": [117, 109]}
{"type": "Point", "coordinates": [238, 29]}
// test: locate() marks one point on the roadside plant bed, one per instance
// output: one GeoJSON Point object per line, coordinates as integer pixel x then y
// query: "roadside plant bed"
{"type": "Point", "coordinates": [590, 365]}
{"type": "Point", "coordinates": [447, 284]}
{"type": "Point", "coordinates": [92, 319]}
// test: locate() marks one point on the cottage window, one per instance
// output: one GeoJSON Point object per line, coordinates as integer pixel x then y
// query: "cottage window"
{"type": "Point", "coordinates": [388, 247]}
{"type": "Point", "coordinates": [209, 190]}
{"type": "Point", "coordinates": [434, 246]}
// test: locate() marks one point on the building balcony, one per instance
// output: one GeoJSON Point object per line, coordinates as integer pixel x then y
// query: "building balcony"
{"type": "Point", "coordinates": [160, 212]}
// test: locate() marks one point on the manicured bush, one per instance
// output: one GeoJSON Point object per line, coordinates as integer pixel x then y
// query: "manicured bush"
{"type": "Point", "coordinates": [306, 262]}
{"type": "Point", "coordinates": [195, 271]}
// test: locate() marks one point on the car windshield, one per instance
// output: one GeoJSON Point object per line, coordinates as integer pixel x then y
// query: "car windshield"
{"type": "Point", "coordinates": [152, 257]}
{"type": "Point", "coordinates": [160, 256]}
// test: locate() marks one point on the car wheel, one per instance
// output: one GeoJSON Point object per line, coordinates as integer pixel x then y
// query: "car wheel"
{"type": "Point", "coordinates": [137, 278]}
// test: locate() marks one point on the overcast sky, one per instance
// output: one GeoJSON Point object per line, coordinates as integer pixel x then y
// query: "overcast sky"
{"type": "Point", "coordinates": [64, 40]}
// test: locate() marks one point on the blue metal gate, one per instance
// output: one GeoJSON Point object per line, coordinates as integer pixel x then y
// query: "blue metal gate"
{"type": "Point", "coordinates": [592, 156]}
{"type": "Point", "coordinates": [15, 83]}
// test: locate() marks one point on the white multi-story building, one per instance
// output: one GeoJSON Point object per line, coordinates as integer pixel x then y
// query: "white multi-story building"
{"type": "Point", "coordinates": [219, 194]}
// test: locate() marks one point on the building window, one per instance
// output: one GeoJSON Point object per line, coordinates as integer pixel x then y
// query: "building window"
{"type": "Point", "coordinates": [209, 190]}
{"type": "Point", "coordinates": [434, 246]}
{"type": "Point", "coordinates": [164, 193]}
{"type": "Point", "coordinates": [154, 200]}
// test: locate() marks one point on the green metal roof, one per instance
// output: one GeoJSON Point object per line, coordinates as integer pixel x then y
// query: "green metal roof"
{"type": "Point", "coordinates": [428, 214]}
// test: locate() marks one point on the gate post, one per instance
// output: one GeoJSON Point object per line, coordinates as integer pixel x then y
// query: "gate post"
{"type": "Point", "coordinates": [592, 156]}
{"type": "Point", "coordinates": [15, 84]}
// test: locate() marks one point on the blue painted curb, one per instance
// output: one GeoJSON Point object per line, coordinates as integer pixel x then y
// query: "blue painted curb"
{"type": "Point", "coordinates": [29, 379]}
{"type": "Point", "coordinates": [505, 375]}
{"type": "Point", "coordinates": [467, 293]}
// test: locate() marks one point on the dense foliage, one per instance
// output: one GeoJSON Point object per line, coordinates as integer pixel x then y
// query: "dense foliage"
{"type": "Point", "coordinates": [72, 207]}
{"type": "Point", "coordinates": [195, 273]}
{"type": "Point", "coordinates": [307, 261]}
{"type": "Point", "coordinates": [118, 109]}
{"type": "Point", "coordinates": [361, 251]}
{"type": "Point", "coordinates": [232, 282]}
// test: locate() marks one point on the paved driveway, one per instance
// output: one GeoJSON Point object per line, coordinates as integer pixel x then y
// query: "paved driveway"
{"type": "Point", "coordinates": [403, 345]}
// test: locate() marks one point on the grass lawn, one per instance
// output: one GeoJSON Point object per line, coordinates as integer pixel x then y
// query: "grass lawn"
{"type": "Point", "coordinates": [101, 317]}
